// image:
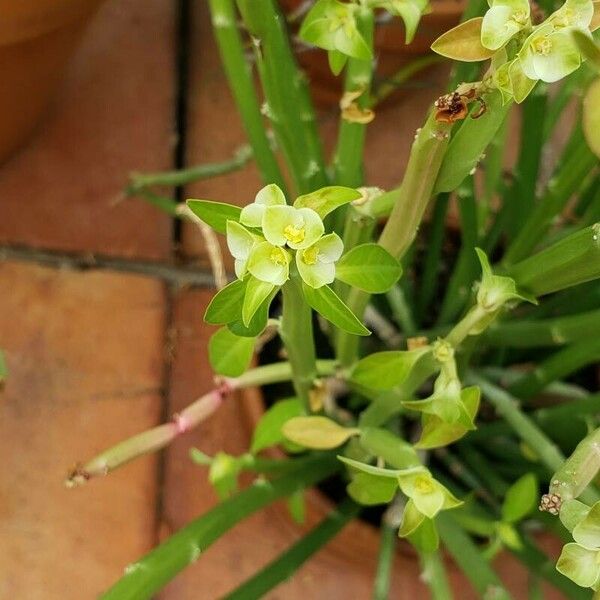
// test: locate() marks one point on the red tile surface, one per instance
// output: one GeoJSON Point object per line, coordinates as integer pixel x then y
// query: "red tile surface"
{"type": "Point", "coordinates": [85, 355]}
{"type": "Point", "coordinates": [114, 115]}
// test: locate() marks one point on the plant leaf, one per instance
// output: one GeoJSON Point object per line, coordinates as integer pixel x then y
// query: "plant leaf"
{"type": "Point", "coordinates": [463, 42]}
{"type": "Point", "coordinates": [327, 199]}
{"type": "Point", "coordinates": [257, 292]}
{"type": "Point", "coordinates": [226, 305]}
{"type": "Point", "coordinates": [223, 474]}
{"type": "Point", "coordinates": [3, 367]}
{"type": "Point", "coordinates": [370, 490]}
{"type": "Point", "coordinates": [268, 432]}
{"type": "Point", "coordinates": [591, 117]}
{"type": "Point", "coordinates": [425, 537]}
{"type": "Point", "coordinates": [215, 214]}
{"type": "Point", "coordinates": [386, 370]}
{"type": "Point", "coordinates": [595, 23]}
{"type": "Point", "coordinates": [383, 443]}
{"type": "Point", "coordinates": [579, 564]}
{"type": "Point", "coordinates": [372, 470]}
{"type": "Point", "coordinates": [587, 47]}
{"type": "Point", "coordinates": [369, 267]}
{"type": "Point", "coordinates": [297, 506]}
{"type": "Point", "coordinates": [520, 499]}
{"type": "Point", "coordinates": [326, 302]}
{"type": "Point", "coordinates": [319, 433]}
{"type": "Point", "coordinates": [258, 322]}
{"type": "Point", "coordinates": [229, 354]}
{"type": "Point", "coordinates": [587, 531]}
{"type": "Point", "coordinates": [573, 512]}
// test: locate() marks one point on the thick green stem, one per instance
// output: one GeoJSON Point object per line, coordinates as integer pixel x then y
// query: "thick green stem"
{"type": "Point", "coordinates": [147, 576]}
{"type": "Point", "coordinates": [296, 332]}
{"type": "Point", "coordinates": [348, 157]}
{"type": "Point", "coordinates": [239, 76]}
{"type": "Point", "coordinates": [387, 543]}
{"type": "Point", "coordinates": [433, 572]}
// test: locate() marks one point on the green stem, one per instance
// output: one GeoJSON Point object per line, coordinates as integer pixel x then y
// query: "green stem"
{"type": "Point", "coordinates": [348, 156]}
{"type": "Point", "coordinates": [574, 168]}
{"type": "Point", "coordinates": [558, 366]}
{"type": "Point", "coordinates": [288, 100]}
{"type": "Point", "coordinates": [283, 567]}
{"type": "Point", "coordinates": [469, 559]}
{"type": "Point", "coordinates": [402, 311]}
{"type": "Point", "coordinates": [138, 181]}
{"type": "Point", "coordinates": [570, 261]}
{"type": "Point", "coordinates": [147, 576]}
{"type": "Point", "coordinates": [387, 543]}
{"type": "Point", "coordinates": [296, 332]}
{"type": "Point", "coordinates": [239, 76]}
{"type": "Point", "coordinates": [434, 574]}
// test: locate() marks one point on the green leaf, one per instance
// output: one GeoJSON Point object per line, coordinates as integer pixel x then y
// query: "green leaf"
{"type": "Point", "coordinates": [258, 322]}
{"type": "Point", "coordinates": [386, 370]}
{"type": "Point", "coordinates": [226, 305]}
{"type": "Point", "coordinates": [591, 117]}
{"type": "Point", "coordinates": [268, 432]}
{"type": "Point", "coordinates": [509, 536]}
{"type": "Point", "coordinates": [326, 302]}
{"type": "Point", "coordinates": [337, 61]}
{"type": "Point", "coordinates": [468, 144]}
{"type": "Point", "coordinates": [229, 354]}
{"type": "Point", "coordinates": [520, 499]}
{"type": "Point", "coordinates": [223, 474]}
{"type": "Point", "coordinates": [257, 292]}
{"type": "Point", "coordinates": [587, 47]}
{"type": "Point", "coordinates": [369, 490]}
{"type": "Point", "coordinates": [215, 214]}
{"type": "Point", "coordinates": [327, 199]}
{"type": "Point", "coordinates": [573, 512]}
{"type": "Point", "coordinates": [411, 519]}
{"type": "Point", "coordinates": [463, 42]}
{"type": "Point", "coordinates": [369, 267]}
{"type": "Point", "coordinates": [587, 532]}
{"type": "Point", "coordinates": [319, 433]}
{"type": "Point", "coordinates": [383, 443]}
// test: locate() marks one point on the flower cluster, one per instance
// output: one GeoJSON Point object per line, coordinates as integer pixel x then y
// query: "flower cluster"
{"type": "Point", "coordinates": [270, 232]}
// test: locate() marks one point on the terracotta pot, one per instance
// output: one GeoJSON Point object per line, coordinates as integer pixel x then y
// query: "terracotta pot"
{"type": "Point", "coordinates": [390, 50]}
{"type": "Point", "coordinates": [37, 38]}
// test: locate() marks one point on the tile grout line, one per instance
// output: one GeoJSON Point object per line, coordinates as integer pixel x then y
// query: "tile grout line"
{"type": "Point", "coordinates": [181, 52]}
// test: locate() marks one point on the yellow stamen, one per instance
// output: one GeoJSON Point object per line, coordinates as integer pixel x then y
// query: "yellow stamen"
{"type": "Point", "coordinates": [278, 256]}
{"type": "Point", "coordinates": [542, 45]}
{"type": "Point", "coordinates": [309, 256]}
{"type": "Point", "coordinates": [520, 17]}
{"type": "Point", "coordinates": [294, 234]}
{"type": "Point", "coordinates": [424, 484]}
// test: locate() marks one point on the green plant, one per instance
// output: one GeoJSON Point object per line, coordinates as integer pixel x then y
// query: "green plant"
{"type": "Point", "coordinates": [402, 426]}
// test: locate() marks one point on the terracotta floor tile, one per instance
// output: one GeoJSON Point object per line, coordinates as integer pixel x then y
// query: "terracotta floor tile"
{"type": "Point", "coordinates": [85, 354]}
{"type": "Point", "coordinates": [114, 115]}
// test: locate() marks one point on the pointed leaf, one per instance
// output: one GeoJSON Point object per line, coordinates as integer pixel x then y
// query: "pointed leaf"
{"type": "Point", "coordinates": [370, 490]}
{"type": "Point", "coordinates": [369, 267]}
{"type": "Point", "coordinates": [579, 564]}
{"type": "Point", "coordinates": [326, 302]}
{"type": "Point", "coordinates": [383, 443]}
{"type": "Point", "coordinates": [268, 432]}
{"type": "Point", "coordinates": [386, 370]}
{"type": "Point", "coordinates": [297, 506]}
{"type": "Point", "coordinates": [229, 354]}
{"type": "Point", "coordinates": [327, 199]}
{"type": "Point", "coordinates": [215, 214]}
{"type": "Point", "coordinates": [226, 305]}
{"type": "Point", "coordinates": [257, 292]}
{"type": "Point", "coordinates": [258, 322]}
{"type": "Point", "coordinates": [319, 433]}
{"type": "Point", "coordinates": [520, 499]}
{"type": "Point", "coordinates": [411, 519]}
{"type": "Point", "coordinates": [463, 42]}
{"type": "Point", "coordinates": [587, 47]}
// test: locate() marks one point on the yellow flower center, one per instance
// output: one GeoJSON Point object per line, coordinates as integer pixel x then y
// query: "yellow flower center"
{"type": "Point", "coordinates": [520, 17]}
{"type": "Point", "coordinates": [309, 256]}
{"type": "Point", "coordinates": [294, 234]}
{"type": "Point", "coordinates": [278, 256]}
{"type": "Point", "coordinates": [542, 45]}
{"type": "Point", "coordinates": [424, 484]}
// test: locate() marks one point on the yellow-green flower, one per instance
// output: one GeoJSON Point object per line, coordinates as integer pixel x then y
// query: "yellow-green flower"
{"type": "Point", "coordinates": [294, 227]}
{"type": "Point", "coordinates": [316, 264]}
{"type": "Point", "coordinates": [502, 21]}
{"type": "Point", "coordinates": [428, 495]}
{"type": "Point", "coordinates": [240, 243]}
{"type": "Point", "coordinates": [252, 214]}
{"type": "Point", "coordinates": [269, 263]}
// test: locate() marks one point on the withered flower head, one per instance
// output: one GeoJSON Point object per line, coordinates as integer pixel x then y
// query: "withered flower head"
{"type": "Point", "coordinates": [451, 108]}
